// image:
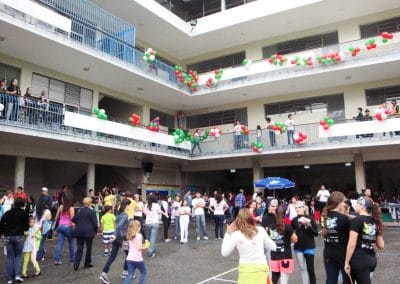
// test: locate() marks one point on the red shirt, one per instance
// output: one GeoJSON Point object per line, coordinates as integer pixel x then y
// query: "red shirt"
{"type": "Point", "coordinates": [22, 195]}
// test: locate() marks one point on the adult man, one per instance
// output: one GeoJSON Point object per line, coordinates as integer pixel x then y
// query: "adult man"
{"type": "Point", "coordinates": [43, 203]}
{"type": "Point", "coordinates": [198, 206]}
{"type": "Point", "coordinates": [322, 197]}
{"type": "Point", "coordinates": [240, 201]}
{"type": "Point", "coordinates": [62, 194]}
{"type": "Point", "coordinates": [367, 193]}
{"type": "Point", "coordinates": [19, 192]}
{"type": "Point", "coordinates": [13, 225]}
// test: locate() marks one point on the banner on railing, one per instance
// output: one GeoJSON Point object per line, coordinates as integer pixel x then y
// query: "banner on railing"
{"type": "Point", "coordinates": [360, 127]}
{"type": "Point", "coordinates": [72, 119]}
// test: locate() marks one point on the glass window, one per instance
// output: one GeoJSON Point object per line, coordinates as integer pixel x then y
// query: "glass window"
{"type": "Point", "coordinates": [380, 95]}
{"type": "Point", "coordinates": [231, 60]}
{"type": "Point", "coordinates": [8, 72]}
{"type": "Point", "coordinates": [217, 118]}
{"type": "Point", "coordinates": [374, 29]}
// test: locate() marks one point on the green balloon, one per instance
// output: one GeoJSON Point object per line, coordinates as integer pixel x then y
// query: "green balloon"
{"type": "Point", "coordinates": [330, 121]}
{"type": "Point", "coordinates": [326, 118]}
{"type": "Point", "coordinates": [96, 110]}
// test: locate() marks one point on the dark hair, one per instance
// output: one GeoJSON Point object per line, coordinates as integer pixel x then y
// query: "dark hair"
{"type": "Point", "coordinates": [289, 115]}
{"type": "Point", "coordinates": [268, 119]}
{"type": "Point", "coordinates": [19, 202]}
{"type": "Point", "coordinates": [375, 211]}
{"type": "Point", "coordinates": [68, 203]}
{"type": "Point", "coordinates": [258, 127]}
{"type": "Point", "coordinates": [279, 223]}
{"type": "Point", "coordinates": [152, 199]}
{"type": "Point", "coordinates": [333, 201]}
{"type": "Point", "coordinates": [11, 83]}
{"type": "Point", "coordinates": [218, 198]}
{"type": "Point", "coordinates": [107, 208]}
{"type": "Point", "coordinates": [359, 108]}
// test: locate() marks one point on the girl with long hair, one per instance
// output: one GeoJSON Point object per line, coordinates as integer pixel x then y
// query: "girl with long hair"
{"type": "Point", "coordinates": [135, 258]}
{"type": "Point", "coordinates": [335, 230]}
{"type": "Point", "coordinates": [184, 219]}
{"type": "Point", "coordinates": [281, 263]}
{"type": "Point", "coordinates": [219, 208]}
{"type": "Point", "coordinates": [366, 234]}
{"type": "Point", "coordinates": [306, 229]}
{"type": "Point", "coordinates": [64, 216]}
{"type": "Point", "coordinates": [251, 242]}
{"type": "Point", "coordinates": [152, 211]}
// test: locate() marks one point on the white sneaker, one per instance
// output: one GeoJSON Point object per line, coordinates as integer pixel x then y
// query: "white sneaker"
{"type": "Point", "coordinates": [19, 279]}
{"type": "Point", "coordinates": [124, 273]}
{"type": "Point", "coordinates": [198, 238]}
{"type": "Point", "coordinates": [104, 278]}
{"type": "Point", "coordinates": [205, 238]}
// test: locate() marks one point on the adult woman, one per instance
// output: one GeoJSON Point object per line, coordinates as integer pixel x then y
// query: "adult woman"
{"type": "Point", "coordinates": [152, 211]}
{"type": "Point", "coordinates": [166, 217]}
{"type": "Point", "coordinates": [335, 230]}
{"type": "Point", "coordinates": [250, 242]}
{"type": "Point", "coordinates": [270, 127]}
{"type": "Point", "coordinates": [365, 234]}
{"type": "Point", "coordinates": [306, 229]}
{"type": "Point", "coordinates": [7, 201]}
{"type": "Point", "coordinates": [122, 222]}
{"type": "Point", "coordinates": [196, 140]}
{"type": "Point", "coordinates": [64, 215]}
{"type": "Point", "coordinates": [231, 203]}
{"type": "Point", "coordinates": [219, 208]}
{"type": "Point", "coordinates": [29, 105]}
{"type": "Point", "coordinates": [270, 214]}
{"type": "Point", "coordinates": [12, 105]}
{"type": "Point", "coordinates": [176, 205]}
{"type": "Point", "coordinates": [85, 229]}
{"type": "Point", "coordinates": [281, 260]}
{"type": "Point", "coordinates": [291, 209]}
{"type": "Point", "coordinates": [43, 104]}
{"type": "Point", "coordinates": [138, 213]}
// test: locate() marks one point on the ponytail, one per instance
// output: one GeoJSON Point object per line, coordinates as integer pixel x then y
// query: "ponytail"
{"type": "Point", "coordinates": [279, 223]}
{"type": "Point", "coordinates": [376, 215]}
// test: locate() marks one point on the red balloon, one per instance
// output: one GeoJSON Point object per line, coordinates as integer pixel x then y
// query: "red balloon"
{"type": "Point", "coordinates": [369, 47]}
{"type": "Point", "coordinates": [194, 89]}
{"type": "Point", "coordinates": [181, 80]}
{"type": "Point", "coordinates": [270, 60]}
{"type": "Point", "coordinates": [326, 126]}
{"type": "Point", "coordinates": [353, 53]}
{"type": "Point", "coordinates": [293, 61]}
{"type": "Point", "coordinates": [373, 45]}
{"type": "Point", "coordinates": [188, 84]}
{"type": "Point", "coordinates": [357, 49]}
{"type": "Point", "coordinates": [378, 116]}
{"type": "Point", "coordinates": [216, 71]}
{"type": "Point", "coordinates": [255, 149]}
{"type": "Point", "coordinates": [309, 63]}
{"type": "Point", "coordinates": [324, 56]}
{"type": "Point", "coordinates": [337, 57]}
{"type": "Point", "coordinates": [322, 122]}
{"type": "Point", "coordinates": [299, 140]}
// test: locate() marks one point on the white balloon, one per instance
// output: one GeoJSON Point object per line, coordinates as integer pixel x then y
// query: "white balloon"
{"type": "Point", "coordinates": [149, 49]}
{"type": "Point", "coordinates": [384, 116]}
{"type": "Point", "coordinates": [342, 56]}
{"type": "Point", "coordinates": [1, 107]}
{"type": "Point", "coordinates": [152, 57]}
{"type": "Point", "coordinates": [217, 134]}
{"type": "Point", "coordinates": [144, 57]}
{"type": "Point", "coordinates": [277, 132]}
{"type": "Point", "coordinates": [296, 136]}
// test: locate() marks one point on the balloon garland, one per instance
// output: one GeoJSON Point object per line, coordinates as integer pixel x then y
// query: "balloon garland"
{"type": "Point", "coordinates": [386, 36]}
{"type": "Point", "coordinates": [149, 55]}
{"type": "Point", "coordinates": [309, 61]}
{"type": "Point", "coordinates": [296, 61]}
{"type": "Point", "coordinates": [370, 44]}
{"type": "Point", "coordinates": [210, 82]}
{"type": "Point", "coordinates": [218, 74]}
{"type": "Point", "coordinates": [279, 128]}
{"type": "Point", "coordinates": [244, 130]}
{"type": "Point", "coordinates": [246, 63]}
{"type": "Point", "coordinates": [381, 114]}
{"type": "Point", "coordinates": [190, 80]}
{"type": "Point", "coordinates": [300, 137]}
{"type": "Point", "coordinates": [180, 136]}
{"type": "Point", "coordinates": [333, 57]}
{"type": "Point", "coordinates": [215, 132]}
{"type": "Point", "coordinates": [100, 113]}
{"type": "Point", "coordinates": [258, 147]}
{"type": "Point", "coordinates": [354, 50]}
{"type": "Point", "coordinates": [326, 122]}
{"type": "Point", "coordinates": [152, 126]}
{"type": "Point", "coordinates": [277, 59]}
{"type": "Point", "coordinates": [134, 119]}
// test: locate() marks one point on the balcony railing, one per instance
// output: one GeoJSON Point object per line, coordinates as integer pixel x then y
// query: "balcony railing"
{"type": "Point", "coordinates": [48, 117]}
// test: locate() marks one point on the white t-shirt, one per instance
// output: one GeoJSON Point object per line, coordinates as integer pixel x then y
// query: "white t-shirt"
{"type": "Point", "coordinates": [323, 195]}
{"type": "Point", "coordinates": [198, 210]}
{"type": "Point", "coordinates": [184, 212]}
{"type": "Point", "coordinates": [219, 207]}
{"type": "Point", "coordinates": [175, 208]}
{"type": "Point", "coordinates": [139, 209]}
{"type": "Point", "coordinates": [250, 251]}
{"type": "Point", "coordinates": [237, 129]}
{"type": "Point", "coordinates": [290, 124]}
{"type": "Point", "coordinates": [212, 201]}
{"type": "Point", "coordinates": [153, 215]}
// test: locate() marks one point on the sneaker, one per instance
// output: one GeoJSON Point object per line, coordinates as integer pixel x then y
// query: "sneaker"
{"type": "Point", "coordinates": [205, 238]}
{"type": "Point", "coordinates": [19, 279]}
{"type": "Point", "coordinates": [198, 238]}
{"type": "Point", "coordinates": [152, 254]}
{"type": "Point", "coordinates": [57, 262]}
{"type": "Point", "coordinates": [105, 253]}
{"type": "Point", "coordinates": [103, 277]}
{"type": "Point", "coordinates": [9, 282]}
{"type": "Point", "coordinates": [124, 273]}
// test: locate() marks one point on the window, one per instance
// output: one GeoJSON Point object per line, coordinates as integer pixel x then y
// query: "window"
{"type": "Point", "coordinates": [234, 3]}
{"type": "Point", "coordinates": [374, 29]}
{"type": "Point", "coordinates": [63, 92]}
{"type": "Point", "coordinates": [8, 72]}
{"type": "Point", "coordinates": [301, 44]}
{"type": "Point", "coordinates": [217, 118]}
{"type": "Point", "coordinates": [165, 119]}
{"type": "Point", "coordinates": [231, 60]}
{"type": "Point", "coordinates": [311, 105]}
{"type": "Point", "coordinates": [381, 95]}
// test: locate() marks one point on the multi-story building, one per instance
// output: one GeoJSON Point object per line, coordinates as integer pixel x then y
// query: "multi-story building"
{"type": "Point", "coordinates": [336, 56]}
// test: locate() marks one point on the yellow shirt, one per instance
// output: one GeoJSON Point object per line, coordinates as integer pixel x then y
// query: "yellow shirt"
{"type": "Point", "coordinates": [131, 208]}
{"type": "Point", "coordinates": [108, 200]}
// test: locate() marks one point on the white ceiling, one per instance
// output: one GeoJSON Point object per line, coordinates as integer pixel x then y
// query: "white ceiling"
{"type": "Point", "coordinates": [173, 36]}
{"type": "Point", "coordinates": [54, 55]}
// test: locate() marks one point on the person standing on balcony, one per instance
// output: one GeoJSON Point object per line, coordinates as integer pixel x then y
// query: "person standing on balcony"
{"type": "Point", "coordinates": [196, 140]}
{"type": "Point", "coordinates": [358, 117]}
{"type": "Point", "coordinates": [259, 133]}
{"type": "Point", "coordinates": [290, 128]}
{"type": "Point", "coordinates": [237, 129]}
{"type": "Point", "coordinates": [270, 127]}
{"type": "Point", "coordinates": [3, 92]}
{"type": "Point", "coordinates": [12, 105]}
{"type": "Point", "coordinates": [43, 105]}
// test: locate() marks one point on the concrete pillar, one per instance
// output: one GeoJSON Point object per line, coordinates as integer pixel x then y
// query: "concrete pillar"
{"type": "Point", "coordinates": [145, 181]}
{"type": "Point", "coordinates": [90, 177]}
{"type": "Point", "coordinates": [19, 178]}
{"type": "Point", "coordinates": [146, 115]}
{"type": "Point", "coordinates": [359, 172]}
{"type": "Point", "coordinates": [258, 173]}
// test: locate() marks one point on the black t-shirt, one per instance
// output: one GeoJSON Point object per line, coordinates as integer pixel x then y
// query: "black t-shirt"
{"type": "Point", "coordinates": [282, 241]}
{"type": "Point", "coordinates": [366, 228]}
{"type": "Point", "coordinates": [305, 234]}
{"type": "Point", "coordinates": [338, 227]}
{"type": "Point", "coordinates": [267, 220]}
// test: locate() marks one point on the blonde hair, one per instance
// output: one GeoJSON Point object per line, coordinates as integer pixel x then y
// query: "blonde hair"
{"type": "Point", "coordinates": [87, 201]}
{"type": "Point", "coordinates": [46, 215]}
{"type": "Point", "coordinates": [245, 224]}
{"type": "Point", "coordinates": [133, 229]}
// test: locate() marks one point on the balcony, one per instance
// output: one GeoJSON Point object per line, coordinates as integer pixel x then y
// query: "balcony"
{"type": "Point", "coordinates": [47, 120]}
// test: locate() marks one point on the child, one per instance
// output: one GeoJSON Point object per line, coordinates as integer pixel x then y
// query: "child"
{"type": "Point", "coordinates": [44, 227]}
{"type": "Point", "coordinates": [108, 228]}
{"type": "Point", "coordinates": [135, 258]}
{"type": "Point", "coordinates": [185, 214]}
{"type": "Point", "coordinates": [259, 133]}
{"type": "Point", "coordinates": [32, 240]}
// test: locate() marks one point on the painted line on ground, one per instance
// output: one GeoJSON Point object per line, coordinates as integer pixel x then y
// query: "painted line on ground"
{"type": "Point", "coordinates": [218, 275]}
{"type": "Point", "coordinates": [225, 280]}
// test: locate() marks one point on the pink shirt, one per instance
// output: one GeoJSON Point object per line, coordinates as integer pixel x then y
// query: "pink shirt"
{"type": "Point", "coordinates": [65, 219]}
{"type": "Point", "coordinates": [135, 254]}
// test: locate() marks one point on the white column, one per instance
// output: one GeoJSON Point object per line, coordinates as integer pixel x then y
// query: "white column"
{"type": "Point", "coordinates": [258, 173]}
{"type": "Point", "coordinates": [359, 172]}
{"type": "Point", "coordinates": [19, 178]}
{"type": "Point", "coordinates": [90, 177]}
{"type": "Point", "coordinates": [223, 7]}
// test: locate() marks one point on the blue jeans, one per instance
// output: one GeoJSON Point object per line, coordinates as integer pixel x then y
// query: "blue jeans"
{"type": "Point", "coordinates": [132, 265]}
{"type": "Point", "coordinates": [272, 138]}
{"type": "Point", "coordinates": [290, 134]}
{"type": "Point", "coordinates": [177, 227]}
{"type": "Point", "coordinates": [219, 226]}
{"type": "Point", "coordinates": [152, 232]}
{"type": "Point", "coordinates": [238, 141]}
{"type": "Point", "coordinates": [200, 221]}
{"type": "Point", "coordinates": [231, 213]}
{"type": "Point", "coordinates": [196, 144]}
{"type": "Point", "coordinates": [64, 231]}
{"type": "Point", "coordinates": [14, 245]}
{"type": "Point", "coordinates": [40, 252]}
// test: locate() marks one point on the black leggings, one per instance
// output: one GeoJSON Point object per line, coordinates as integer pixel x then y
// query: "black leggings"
{"type": "Point", "coordinates": [362, 264]}
{"type": "Point", "coordinates": [275, 277]}
{"type": "Point", "coordinates": [166, 222]}
{"type": "Point", "coordinates": [308, 261]}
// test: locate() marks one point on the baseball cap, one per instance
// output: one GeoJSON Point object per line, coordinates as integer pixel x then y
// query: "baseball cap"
{"type": "Point", "coordinates": [45, 189]}
{"type": "Point", "coordinates": [122, 194]}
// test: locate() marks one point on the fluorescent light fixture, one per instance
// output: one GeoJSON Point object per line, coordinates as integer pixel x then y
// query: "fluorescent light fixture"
{"type": "Point", "coordinates": [348, 164]}
{"type": "Point", "coordinates": [233, 171]}
{"type": "Point", "coordinates": [306, 166]}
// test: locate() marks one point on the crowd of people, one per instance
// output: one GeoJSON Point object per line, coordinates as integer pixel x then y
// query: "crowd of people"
{"type": "Point", "coordinates": [268, 233]}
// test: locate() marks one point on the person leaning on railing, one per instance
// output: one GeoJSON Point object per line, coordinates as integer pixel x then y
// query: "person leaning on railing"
{"type": "Point", "coordinates": [12, 104]}
{"type": "Point", "coordinates": [43, 105]}
{"type": "Point", "coordinates": [3, 92]}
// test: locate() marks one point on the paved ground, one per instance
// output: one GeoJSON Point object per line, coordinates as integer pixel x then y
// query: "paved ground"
{"type": "Point", "coordinates": [195, 262]}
